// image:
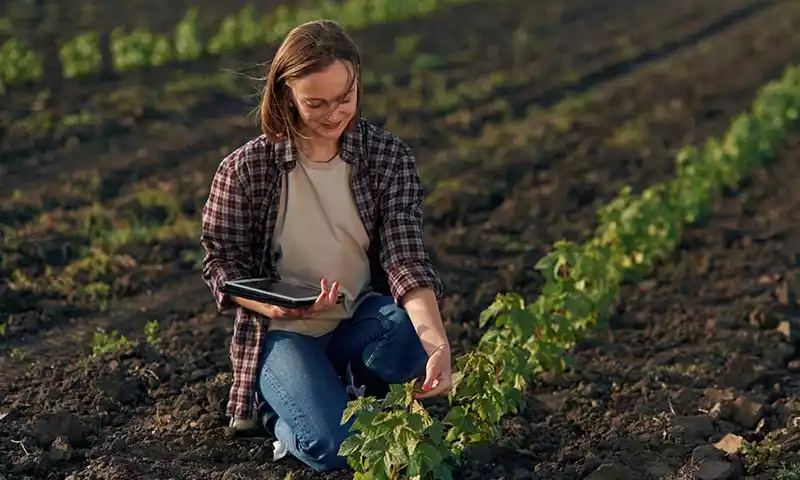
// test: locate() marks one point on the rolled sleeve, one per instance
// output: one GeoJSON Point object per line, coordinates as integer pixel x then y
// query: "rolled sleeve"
{"type": "Point", "coordinates": [226, 227]}
{"type": "Point", "coordinates": [403, 256]}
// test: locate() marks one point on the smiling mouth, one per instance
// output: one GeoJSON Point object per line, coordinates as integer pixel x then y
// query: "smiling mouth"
{"type": "Point", "coordinates": [332, 126]}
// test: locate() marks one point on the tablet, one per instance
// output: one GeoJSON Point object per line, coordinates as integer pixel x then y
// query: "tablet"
{"type": "Point", "coordinates": [286, 293]}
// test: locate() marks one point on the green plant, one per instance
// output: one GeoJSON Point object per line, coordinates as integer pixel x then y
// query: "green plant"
{"type": "Point", "coordinates": [188, 45]}
{"type": "Point", "coordinates": [789, 472]}
{"type": "Point", "coordinates": [18, 64]}
{"type": "Point", "coordinates": [399, 440]}
{"type": "Point", "coordinates": [81, 55]}
{"type": "Point", "coordinates": [758, 456]}
{"type": "Point", "coordinates": [141, 48]}
{"type": "Point", "coordinates": [109, 343]}
{"type": "Point", "coordinates": [18, 355]}
{"type": "Point", "coordinates": [239, 30]}
{"type": "Point", "coordinates": [151, 332]}
{"type": "Point", "coordinates": [137, 49]}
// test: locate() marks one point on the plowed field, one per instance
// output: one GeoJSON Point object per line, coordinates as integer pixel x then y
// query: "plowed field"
{"type": "Point", "coordinates": [525, 117]}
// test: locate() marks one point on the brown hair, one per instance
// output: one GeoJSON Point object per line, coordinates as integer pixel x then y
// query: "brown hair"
{"type": "Point", "coordinates": [308, 48]}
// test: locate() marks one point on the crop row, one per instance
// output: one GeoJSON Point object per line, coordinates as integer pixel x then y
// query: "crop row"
{"type": "Point", "coordinates": [398, 439]}
{"type": "Point", "coordinates": [90, 53]}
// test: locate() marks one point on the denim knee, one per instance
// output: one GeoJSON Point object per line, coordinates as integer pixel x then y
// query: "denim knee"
{"type": "Point", "coordinates": [400, 355]}
{"type": "Point", "coordinates": [323, 454]}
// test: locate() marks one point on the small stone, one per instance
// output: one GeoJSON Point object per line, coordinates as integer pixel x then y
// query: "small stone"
{"type": "Point", "coordinates": [610, 471]}
{"type": "Point", "coordinates": [747, 413]}
{"type": "Point", "coordinates": [715, 470]}
{"type": "Point", "coordinates": [706, 452]}
{"type": "Point", "coordinates": [730, 444]}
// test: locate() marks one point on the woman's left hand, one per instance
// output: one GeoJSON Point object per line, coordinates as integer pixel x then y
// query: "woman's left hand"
{"type": "Point", "coordinates": [438, 373]}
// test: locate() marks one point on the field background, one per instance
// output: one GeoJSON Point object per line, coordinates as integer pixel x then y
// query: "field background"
{"type": "Point", "coordinates": [526, 117]}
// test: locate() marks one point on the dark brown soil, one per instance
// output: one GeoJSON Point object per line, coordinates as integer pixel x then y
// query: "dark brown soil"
{"type": "Point", "coordinates": [560, 104]}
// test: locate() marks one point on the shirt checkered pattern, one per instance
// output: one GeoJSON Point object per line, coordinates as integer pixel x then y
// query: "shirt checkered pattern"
{"type": "Point", "coordinates": [242, 208]}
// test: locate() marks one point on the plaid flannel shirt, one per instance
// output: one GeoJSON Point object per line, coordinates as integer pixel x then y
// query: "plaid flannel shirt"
{"type": "Point", "coordinates": [242, 209]}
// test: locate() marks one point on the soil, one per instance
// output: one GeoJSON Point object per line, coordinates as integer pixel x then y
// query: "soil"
{"type": "Point", "coordinates": [558, 105]}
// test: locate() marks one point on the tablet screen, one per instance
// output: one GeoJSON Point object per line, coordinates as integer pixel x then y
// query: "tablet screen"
{"type": "Point", "coordinates": [282, 288]}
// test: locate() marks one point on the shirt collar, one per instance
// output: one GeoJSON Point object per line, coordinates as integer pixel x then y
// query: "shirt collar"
{"type": "Point", "coordinates": [351, 150]}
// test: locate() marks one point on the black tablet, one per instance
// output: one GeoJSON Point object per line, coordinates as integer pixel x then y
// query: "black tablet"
{"type": "Point", "coordinates": [284, 293]}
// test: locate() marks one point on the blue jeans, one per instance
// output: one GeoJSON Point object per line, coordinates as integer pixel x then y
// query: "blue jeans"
{"type": "Point", "coordinates": [299, 380]}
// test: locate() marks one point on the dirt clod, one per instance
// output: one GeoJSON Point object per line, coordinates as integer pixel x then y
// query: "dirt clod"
{"type": "Point", "coordinates": [692, 428]}
{"type": "Point", "coordinates": [715, 470]}
{"type": "Point", "coordinates": [747, 412]}
{"type": "Point", "coordinates": [730, 444]}
{"type": "Point", "coordinates": [60, 424]}
{"type": "Point", "coordinates": [706, 452]}
{"type": "Point", "coordinates": [659, 470]}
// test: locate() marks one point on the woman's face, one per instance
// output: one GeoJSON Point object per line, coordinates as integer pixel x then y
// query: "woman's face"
{"type": "Point", "coordinates": [326, 100]}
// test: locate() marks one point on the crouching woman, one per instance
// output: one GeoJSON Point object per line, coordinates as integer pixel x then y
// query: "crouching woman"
{"type": "Point", "coordinates": [324, 197]}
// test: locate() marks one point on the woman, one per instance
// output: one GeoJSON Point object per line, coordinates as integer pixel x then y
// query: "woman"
{"type": "Point", "coordinates": [322, 196]}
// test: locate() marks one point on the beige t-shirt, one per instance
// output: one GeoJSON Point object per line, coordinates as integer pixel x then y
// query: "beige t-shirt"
{"type": "Point", "coordinates": [319, 233]}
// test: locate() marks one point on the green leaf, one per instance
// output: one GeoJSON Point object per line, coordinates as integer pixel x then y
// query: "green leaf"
{"type": "Point", "coordinates": [435, 431]}
{"type": "Point", "coordinates": [400, 395]}
{"type": "Point", "coordinates": [409, 439]}
{"type": "Point", "coordinates": [430, 456]}
{"type": "Point", "coordinates": [442, 472]}
{"type": "Point", "coordinates": [350, 445]}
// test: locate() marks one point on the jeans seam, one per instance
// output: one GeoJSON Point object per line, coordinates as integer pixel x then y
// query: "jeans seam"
{"type": "Point", "coordinates": [385, 323]}
{"type": "Point", "coordinates": [300, 434]}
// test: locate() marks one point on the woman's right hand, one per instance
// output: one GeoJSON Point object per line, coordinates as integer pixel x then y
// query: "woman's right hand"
{"type": "Point", "coordinates": [326, 300]}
